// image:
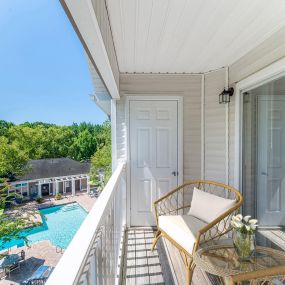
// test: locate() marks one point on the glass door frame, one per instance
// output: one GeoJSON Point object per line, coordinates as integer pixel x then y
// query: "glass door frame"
{"type": "Point", "coordinates": [269, 73]}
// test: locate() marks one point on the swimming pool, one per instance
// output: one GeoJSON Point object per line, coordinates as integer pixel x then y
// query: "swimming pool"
{"type": "Point", "coordinates": [60, 223]}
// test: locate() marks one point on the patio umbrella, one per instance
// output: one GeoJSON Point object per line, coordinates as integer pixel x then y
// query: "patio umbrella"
{"type": "Point", "coordinates": [9, 260]}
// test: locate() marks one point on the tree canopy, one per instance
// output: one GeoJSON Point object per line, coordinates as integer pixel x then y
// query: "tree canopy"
{"type": "Point", "coordinates": [24, 142]}
{"type": "Point", "coordinates": [10, 225]}
{"type": "Point", "coordinates": [102, 158]}
{"type": "Point", "coordinates": [27, 141]}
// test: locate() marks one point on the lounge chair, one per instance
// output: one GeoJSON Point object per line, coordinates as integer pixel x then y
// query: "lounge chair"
{"type": "Point", "coordinates": [194, 214]}
{"type": "Point", "coordinates": [40, 276]}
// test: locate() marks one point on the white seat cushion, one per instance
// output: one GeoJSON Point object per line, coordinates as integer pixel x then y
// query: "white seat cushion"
{"type": "Point", "coordinates": [182, 229]}
{"type": "Point", "coordinates": [207, 207]}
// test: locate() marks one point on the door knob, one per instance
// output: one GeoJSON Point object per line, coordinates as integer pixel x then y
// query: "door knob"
{"type": "Point", "coordinates": [264, 173]}
{"type": "Point", "coordinates": [174, 173]}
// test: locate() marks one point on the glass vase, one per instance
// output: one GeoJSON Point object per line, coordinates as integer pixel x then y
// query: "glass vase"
{"type": "Point", "coordinates": [244, 244]}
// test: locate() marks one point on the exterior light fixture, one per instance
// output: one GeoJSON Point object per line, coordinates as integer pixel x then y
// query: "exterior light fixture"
{"type": "Point", "coordinates": [225, 96]}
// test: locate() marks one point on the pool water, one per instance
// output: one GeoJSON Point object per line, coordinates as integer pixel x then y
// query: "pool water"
{"type": "Point", "coordinates": [60, 223]}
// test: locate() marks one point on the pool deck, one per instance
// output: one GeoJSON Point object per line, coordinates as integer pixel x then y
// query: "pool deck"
{"type": "Point", "coordinates": [43, 252]}
{"type": "Point", "coordinates": [38, 254]}
{"type": "Point", "coordinates": [82, 198]}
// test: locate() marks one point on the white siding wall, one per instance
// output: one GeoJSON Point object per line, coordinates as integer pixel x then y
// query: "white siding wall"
{"type": "Point", "coordinates": [231, 141]}
{"type": "Point", "coordinates": [121, 130]}
{"type": "Point", "coordinates": [188, 86]}
{"type": "Point", "coordinates": [215, 130]}
{"type": "Point", "coordinates": [215, 127]}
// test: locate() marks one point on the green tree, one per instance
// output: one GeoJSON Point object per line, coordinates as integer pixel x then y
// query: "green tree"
{"type": "Point", "coordinates": [102, 159]}
{"type": "Point", "coordinates": [4, 127]}
{"type": "Point", "coordinates": [19, 143]}
{"type": "Point", "coordinates": [10, 225]}
{"type": "Point", "coordinates": [84, 146]}
{"type": "Point", "coordinates": [12, 159]}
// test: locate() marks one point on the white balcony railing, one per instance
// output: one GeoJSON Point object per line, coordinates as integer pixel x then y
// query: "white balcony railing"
{"type": "Point", "coordinates": [93, 256]}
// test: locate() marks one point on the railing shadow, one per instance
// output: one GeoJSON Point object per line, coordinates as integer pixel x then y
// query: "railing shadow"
{"type": "Point", "coordinates": [142, 266]}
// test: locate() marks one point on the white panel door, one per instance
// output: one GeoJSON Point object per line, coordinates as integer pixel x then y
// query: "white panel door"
{"type": "Point", "coordinates": [153, 156]}
{"type": "Point", "coordinates": [271, 161]}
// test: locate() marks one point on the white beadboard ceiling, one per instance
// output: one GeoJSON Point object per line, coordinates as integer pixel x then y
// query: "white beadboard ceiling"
{"type": "Point", "coordinates": [190, 36]}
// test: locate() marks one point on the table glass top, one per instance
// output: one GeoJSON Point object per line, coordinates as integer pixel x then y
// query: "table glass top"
{"type": "Point", "coordinates": [223, 260]}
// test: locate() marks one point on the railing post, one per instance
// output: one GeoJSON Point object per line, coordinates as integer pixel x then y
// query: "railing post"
{"type": "Point", "coordinates": [114, 133]}
{"type": "Point", "coordinates": [123, 187]}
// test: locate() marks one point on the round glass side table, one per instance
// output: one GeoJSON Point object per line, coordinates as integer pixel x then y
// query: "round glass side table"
{"type": "Point", "coordinates": [223, 261]}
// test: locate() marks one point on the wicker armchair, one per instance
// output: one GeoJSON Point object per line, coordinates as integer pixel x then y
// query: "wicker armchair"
{"type": "Point", "coordinates": [178, 202]}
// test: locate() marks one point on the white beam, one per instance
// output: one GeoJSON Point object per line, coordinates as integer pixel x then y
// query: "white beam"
{"type": "Point", "coordinates": [39, 189]}
{"type": "Point", "coordinates": [56, 187]}
{"type": "Point", "coordinates": [73, 187]}
{"type": "Point", "coordinates": [114, 133]}
{"type": "Point", "coordinates": [203, 127]}
{"type": "Point", "coordinates": [88, 185]}
{"type": "Point", "coordinates": [227, 110]}
{"type": "Point", "coordinates": [83, 18]}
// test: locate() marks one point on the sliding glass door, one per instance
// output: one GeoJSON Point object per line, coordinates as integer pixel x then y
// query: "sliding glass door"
{"type": "Point", "coordinates": [264, 153]}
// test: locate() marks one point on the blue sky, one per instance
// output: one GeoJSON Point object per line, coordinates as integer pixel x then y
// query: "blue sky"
{"type": "Point", "coordinates": [44, 75]}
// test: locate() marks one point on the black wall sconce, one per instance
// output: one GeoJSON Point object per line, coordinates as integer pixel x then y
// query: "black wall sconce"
{"type": "Point", "coordinates": [225, 96]}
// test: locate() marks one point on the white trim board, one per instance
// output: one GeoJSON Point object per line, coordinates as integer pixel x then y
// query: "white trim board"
{"type": "Point", "coordinates": [227, 140]}
{"type": "Point", "coordinates": [269, 73]}
{"type": "Point", "coordinates": [203, 127]}
{"type": "Point", "coordinates": [114, 134]}
{"type": "Point", "coordinates": [84, 20]}
{"type": "Point", "coordinates": [152, 97]}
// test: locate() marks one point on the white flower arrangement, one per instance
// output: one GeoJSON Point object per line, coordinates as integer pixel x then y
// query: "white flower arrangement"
{"type": "Point", "coordinates": [244, 224]}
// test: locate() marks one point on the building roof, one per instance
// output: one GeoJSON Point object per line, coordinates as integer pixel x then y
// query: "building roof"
{"type": "Point", "coordinates": [54, 167]}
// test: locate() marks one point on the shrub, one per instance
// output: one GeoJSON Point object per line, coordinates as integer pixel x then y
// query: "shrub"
{"type": "Point", "coordinates": [58, 196]}
{"type": "Point", "coordinates": [39, 200]}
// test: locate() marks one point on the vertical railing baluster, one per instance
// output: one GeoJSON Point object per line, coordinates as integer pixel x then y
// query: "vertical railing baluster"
{"type": "Point", "coordinates": [99, 263]}
{"type": "Point", "coordinates": [92, 271]}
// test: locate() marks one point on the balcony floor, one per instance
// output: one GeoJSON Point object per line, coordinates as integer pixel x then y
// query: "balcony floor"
{"type": "Point", "coordinates": [142, 266]}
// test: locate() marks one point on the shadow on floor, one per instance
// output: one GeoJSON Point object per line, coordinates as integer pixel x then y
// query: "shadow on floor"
{"type": "Point", "coordinates": [143, 266]}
